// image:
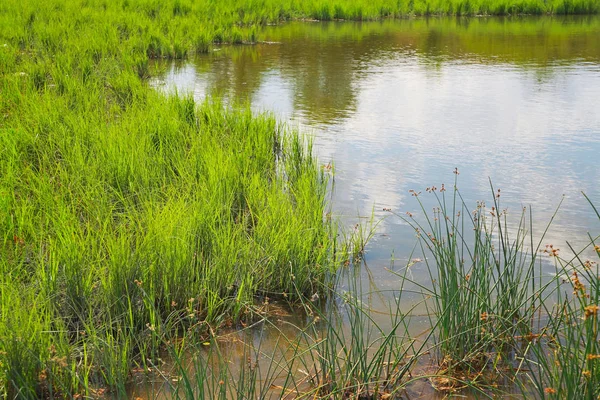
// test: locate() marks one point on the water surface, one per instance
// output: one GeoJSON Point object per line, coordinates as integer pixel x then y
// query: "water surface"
{"type": "Point", "coordinates": [398, 105]}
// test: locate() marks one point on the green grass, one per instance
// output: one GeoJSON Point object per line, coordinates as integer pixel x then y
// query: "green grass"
{"type": "Point", "coordinates": [129, 219]}
{"type": "Point", "coordinates": [485, 287]}
{"type": "Point", "coordinates": [564, 363]}
{"type": "Point", "coordinates": [111, 229]}
{"type": "Point", "coordinates": [338, 351]}
{"type": "Point", "coordinates": [497, 318]}
{"type": "Point", "coordinates": [127, 216]}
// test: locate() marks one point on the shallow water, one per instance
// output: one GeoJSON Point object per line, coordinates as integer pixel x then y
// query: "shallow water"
{"type": "Point", "coordinates": [398, 105]}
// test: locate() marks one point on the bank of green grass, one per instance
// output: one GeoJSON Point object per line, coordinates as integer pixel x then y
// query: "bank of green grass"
{"type": "Point", "coordinates": [173, 215]}
{"type": "Point", "coordinates": [127, 217]}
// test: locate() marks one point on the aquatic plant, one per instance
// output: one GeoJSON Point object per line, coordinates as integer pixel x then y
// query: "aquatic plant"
{"type": "Point", "coordinates": [128, 216]}
{"type": "Point", "coordinates": [342, 349]}
{"type": "Point", "coordinates": [485, 284]}
{"type": "Point", "coordinates": [564, 361]}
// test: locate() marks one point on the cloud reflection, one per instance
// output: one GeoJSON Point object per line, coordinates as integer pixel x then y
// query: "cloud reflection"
{"type": "Point", "coordinates": [399, 105]}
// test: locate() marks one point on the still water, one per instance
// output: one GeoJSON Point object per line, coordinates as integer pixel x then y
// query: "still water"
{"type": "Point", "coordinates": [398, 105]}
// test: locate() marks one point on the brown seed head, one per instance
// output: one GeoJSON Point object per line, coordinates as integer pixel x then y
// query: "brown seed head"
{"type": "Point", "coordinates": [591, 311]}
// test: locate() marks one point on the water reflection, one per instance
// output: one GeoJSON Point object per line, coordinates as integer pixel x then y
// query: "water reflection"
{"type": "Point", "coordinates": [397, 105]}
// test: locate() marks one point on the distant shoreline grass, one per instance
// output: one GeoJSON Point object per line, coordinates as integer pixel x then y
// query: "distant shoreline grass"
{"type": "Point", "coordinates": [129, 219]}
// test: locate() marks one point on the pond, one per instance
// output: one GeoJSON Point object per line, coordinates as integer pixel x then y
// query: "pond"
{"type": "Point", "coordinates": [399, 105]}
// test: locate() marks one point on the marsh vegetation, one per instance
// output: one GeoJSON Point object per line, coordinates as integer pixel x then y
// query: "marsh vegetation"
{"type": "Point", "coordinates": [140, 231]}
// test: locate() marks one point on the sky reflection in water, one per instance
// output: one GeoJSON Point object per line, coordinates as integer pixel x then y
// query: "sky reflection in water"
{"type": "Point", "coordinates": [397, 105]}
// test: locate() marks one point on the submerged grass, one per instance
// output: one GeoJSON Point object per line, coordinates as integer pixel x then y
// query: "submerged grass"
{"type": "Point", "coordinates": [339, 351]}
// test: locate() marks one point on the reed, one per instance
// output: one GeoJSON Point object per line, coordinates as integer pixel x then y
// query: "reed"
{"type": "Point", "coordinates": [486, 287]}
{"type": "Point", "coordinates": [564, 361]}
{"type": "Point", "coordinates": [339, 351]}
{"type": "Point", "coordinates": [128, 217]}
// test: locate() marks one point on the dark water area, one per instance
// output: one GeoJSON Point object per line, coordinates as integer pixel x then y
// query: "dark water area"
{"type": "Point", "coordinates": [398, 105]}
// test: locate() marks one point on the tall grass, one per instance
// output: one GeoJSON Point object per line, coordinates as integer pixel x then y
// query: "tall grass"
{"type": "Point", "coordinates": [496, 317]}
{"type": "Point", "coordinates": [173, 212]}
{"type": "Point", "coordinates": [564, 362]}
{"type": "Point", "coordinates": [486, 288]}
{"type": "Point", "coordinates": [354, 354]}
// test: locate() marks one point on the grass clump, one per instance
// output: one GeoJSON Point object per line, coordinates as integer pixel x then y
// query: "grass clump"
{"type": "Point", "coordinates": [175, 215]}
{"type": "Point", "coordinates": [564, 362]}
{"type": "Point", "coordinates": [485, 285]}
{"type": "Point", "coordinates": [495, 315]}
{"type": "Point", "coordinates": [354, 351]}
